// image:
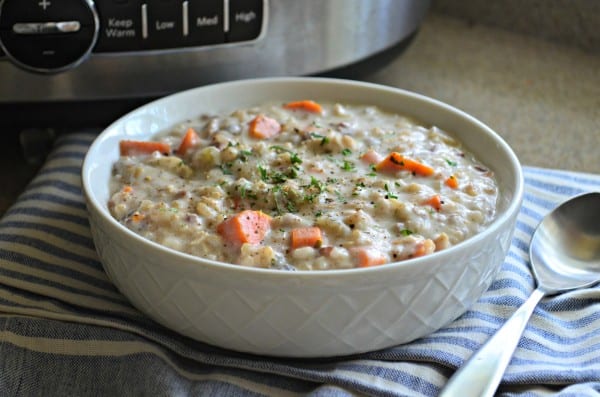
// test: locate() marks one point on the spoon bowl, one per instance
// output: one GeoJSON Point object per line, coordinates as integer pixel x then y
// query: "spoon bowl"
{"type": "Point", "coordinates": [565, 249]}
{"type": "Point", "coordinates": [565, 255]}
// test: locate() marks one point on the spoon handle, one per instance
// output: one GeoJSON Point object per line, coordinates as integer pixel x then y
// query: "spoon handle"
{"type": "Point", "coordinates": [482, 373]}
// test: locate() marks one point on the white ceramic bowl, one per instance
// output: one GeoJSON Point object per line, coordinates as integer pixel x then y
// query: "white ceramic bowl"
{"type": "Point", "coordinates": [300, 314]}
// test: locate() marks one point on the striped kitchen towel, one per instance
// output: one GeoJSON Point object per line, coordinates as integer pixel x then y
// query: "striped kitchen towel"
{"type": "Point", "coordinates": [66, 331]}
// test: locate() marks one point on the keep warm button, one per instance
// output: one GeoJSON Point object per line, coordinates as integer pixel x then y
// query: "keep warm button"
{"type": "Point", "coordinates": [164, 24]}
{"type": "Point", "coordinates": [245, 19]}
{"type": "Point", "coordinates": [120, 26]}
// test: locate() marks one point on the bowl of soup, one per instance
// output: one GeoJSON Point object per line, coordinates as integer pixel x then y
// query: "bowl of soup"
{"type": "Point", "coordinates": [301, 217]}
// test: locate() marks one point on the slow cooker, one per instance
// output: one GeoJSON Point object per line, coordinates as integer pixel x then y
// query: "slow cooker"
{"type": "Point", "coordinates": [61, 55]}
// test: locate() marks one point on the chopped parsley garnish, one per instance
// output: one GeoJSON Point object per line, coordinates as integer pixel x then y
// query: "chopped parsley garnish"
{"type": "Point", "coordinates": [348, 166]}
{"type": "Point", "coordinates": [280, 149]}
{"type": "Point", "coordinates": [293, 156]}
{"type": "Point", "coordinates": [389, 193]}
{"type": "Point", "coordinates": [451, 163]}
{"type": "Point", "coordinates": [282, 199]}
{"type": "Point", "coordinates": [244, 154]}
{"type": "Point", "coordinates": [310, 197]}
{"type": "Point", "coordinates": [314, 188]}
{"type": "Point", "coordinates": [226, 168]}
{"type": "Point", "coordinates": [357, 188]}
{"type": "Point", "coordinates": [295, 159]}
{"type": "Point", "coordinates": [341, 198]}
{"type": "Point", "coordinates": [406, 232]}
{"type": "Point", "coordinates": [278, 177]}
{"type": "Point", "coordinates": [323, 138]}
{"type": "Point", "coordinates": [373, 170]}
{"type": "Point", "coordinates": [263, 173]}
{"type": "Point", "coordinates": [245, 192]}
{"type": "Point", "coordinates": [291, 207]}
{"type": "Point", "coordinates": [346, 152]}
{"type": "Point", "coordinates": [314, 182]}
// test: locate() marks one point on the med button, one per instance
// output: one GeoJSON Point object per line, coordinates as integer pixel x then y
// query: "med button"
{"type": "Point", "coordinates": [205, 24]}
{"type": "Point", "coordinates": [245, 20]}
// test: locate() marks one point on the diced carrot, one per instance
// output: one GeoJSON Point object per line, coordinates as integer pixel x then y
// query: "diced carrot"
{"type": "Point", "coordinates": [306, 237]}
{"type": "Point", "coordinates": [190, 139]}
{"type": "Point", "coordinates": [425, 247]}
{"type": "Point", "coordinates": [368, 256]}
{"type": "Point", "coordinates": [248, 226]}
{"type": "Point", "coordinates": [136, 148]}
{"type": "Point", "coordinates": [306, 105]}
{"type": "Point", "coordinates": [136, 217]}
{"type": "Point", "coordinates": [371, 157]}
{"type": "Point", "coordinates": [127, 189]}
{"type": "Point", "coordinates": [452, 182]}
{"type": "Point", "coordinates": [396, 162]}
{"type": "Point", "coordinates": [435, 201]}
{"type": "Point", "coordinates": [263, 127]}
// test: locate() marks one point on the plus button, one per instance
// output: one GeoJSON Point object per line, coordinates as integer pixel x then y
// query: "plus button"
{"type": "Point", "coordinates": [44, 4]}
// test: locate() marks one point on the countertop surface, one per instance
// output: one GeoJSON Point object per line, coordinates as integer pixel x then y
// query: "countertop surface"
{"type": "Point", "coordinates": [542, 97]}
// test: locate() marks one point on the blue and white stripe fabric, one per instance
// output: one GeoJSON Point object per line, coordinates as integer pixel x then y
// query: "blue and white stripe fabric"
{"type": "Point", "coordinates": [66, 331]}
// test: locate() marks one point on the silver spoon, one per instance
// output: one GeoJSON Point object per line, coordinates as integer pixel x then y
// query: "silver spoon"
{"type": "Point", "coordinates": [565, 255]}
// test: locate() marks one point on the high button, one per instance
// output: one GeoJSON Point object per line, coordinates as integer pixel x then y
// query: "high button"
{"type": "Point", "coordinates": [245, 20]}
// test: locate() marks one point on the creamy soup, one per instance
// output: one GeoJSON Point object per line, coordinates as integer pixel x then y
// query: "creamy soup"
{"type": "Point", "coordinates": [303, 186]}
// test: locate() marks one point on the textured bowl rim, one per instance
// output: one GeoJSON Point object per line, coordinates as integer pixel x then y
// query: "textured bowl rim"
{"type": "Point", "coordinates": [190, 260]}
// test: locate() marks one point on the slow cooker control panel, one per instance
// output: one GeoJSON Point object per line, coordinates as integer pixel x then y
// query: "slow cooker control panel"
{"type": "Point", "coordinates": [133, 25]}
{"type": "Point", "coordinates": [55, 35]}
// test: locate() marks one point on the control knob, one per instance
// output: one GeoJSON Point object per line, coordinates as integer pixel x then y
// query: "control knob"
{"type": "Point", "coordinates": [48, 36]}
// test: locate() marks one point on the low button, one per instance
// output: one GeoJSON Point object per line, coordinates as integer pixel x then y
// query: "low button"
{"type": "Point", "coordinates": [165, 27]}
